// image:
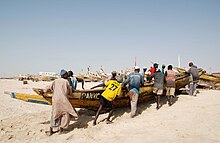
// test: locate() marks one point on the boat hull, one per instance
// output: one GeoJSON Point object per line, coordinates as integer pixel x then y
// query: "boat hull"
{"type": "Point", "coordinates": [210, 78]}
{"type": "Point", "coordinates": [34, 98]}
{"type": "Point", "coordinates": [90, 98]}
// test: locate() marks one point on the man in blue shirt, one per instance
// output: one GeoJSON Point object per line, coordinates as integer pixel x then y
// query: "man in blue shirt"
{"type": "Point", "coordinates": [135, 80]}
{"type": "Point", "coordinates": [73, 81]}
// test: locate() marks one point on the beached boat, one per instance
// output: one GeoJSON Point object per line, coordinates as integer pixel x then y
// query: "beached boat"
{"type": "Point", "coordinates": [34, 98]}
{"type": "Point", "coordinates": [89, 77]}
{"type": "Point", "coordinates": [210, 78]}
{"type": "Point", "coordinates": [89, 98]}
{"type": "Point", "coordinates": [209, 81]}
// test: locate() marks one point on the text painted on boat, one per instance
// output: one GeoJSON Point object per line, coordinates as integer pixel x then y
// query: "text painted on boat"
{"type": "Point", "coordinates": [90, 95]}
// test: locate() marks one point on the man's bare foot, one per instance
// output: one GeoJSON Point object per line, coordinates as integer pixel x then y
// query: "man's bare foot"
{"type": "Point", "coordinates": [60, 131]}
{"type": "Point", "coordinates": [133, 115]}
{"type": "Point", "coordinates": [108, 122]}
{"type": "Point", "coordinates": [169, 103]}
{"type": "Point", "coordinates": [50, 132]}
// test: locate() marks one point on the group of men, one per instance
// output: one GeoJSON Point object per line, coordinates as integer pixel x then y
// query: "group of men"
{"type": "Point", "coordinates": [160, 78]}
{"type": "Point", "coordinates": [163, 81]}
{"type": "Point", "coordinates": [63, 111]}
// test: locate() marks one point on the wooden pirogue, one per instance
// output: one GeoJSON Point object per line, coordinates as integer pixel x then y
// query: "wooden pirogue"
{"type": "Point", "coordinates": [210, 78]}
{"type": "Point", "coordinates": [34, 98]}
{"type": "Point", "coordinates": [89, 98]}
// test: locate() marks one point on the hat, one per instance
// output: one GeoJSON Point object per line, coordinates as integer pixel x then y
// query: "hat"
{"type": "Point", "coordinates": [62, 72]}
{"type": "Point", "coordinates": [144, 67]}
{"type": "Point", "coordinates": [136, 67]}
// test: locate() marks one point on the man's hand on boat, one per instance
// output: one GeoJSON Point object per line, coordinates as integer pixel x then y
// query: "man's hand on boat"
{"type": "Point", "coordinates": [41, 91]}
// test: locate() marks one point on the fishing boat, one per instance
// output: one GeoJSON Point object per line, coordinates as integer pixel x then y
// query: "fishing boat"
{"type": "Point", "coordinates": [89, 98]}
{"type": "Point", "coordinates": [210, 78]}
{"type": "Point", "coordinates": [209, 81]}
{"type": "Point", "coordinates": [34, 98]}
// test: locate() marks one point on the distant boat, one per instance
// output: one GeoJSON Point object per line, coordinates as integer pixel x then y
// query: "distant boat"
{"type": "Point", "coordinates": [210, 78]}
{"type": "Point", "coordinates": [211, 81]}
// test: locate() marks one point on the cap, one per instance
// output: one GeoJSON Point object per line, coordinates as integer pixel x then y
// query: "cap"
{"type": "Point", "coordinates": [62, 72]}
{"type": "Point", "coordinates": [144, 67]}
{"type": "Point", "coordinates": [136, 67]}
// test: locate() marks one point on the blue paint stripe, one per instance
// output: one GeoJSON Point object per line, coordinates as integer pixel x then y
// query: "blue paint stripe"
{"type": "Point", "coordinates": [13, 95]}
{"type": "Point", "coordinates": [37, 101]}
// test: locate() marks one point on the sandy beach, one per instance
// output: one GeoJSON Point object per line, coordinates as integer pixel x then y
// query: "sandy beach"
{"type": "Point", "coordinates": [188, 120]}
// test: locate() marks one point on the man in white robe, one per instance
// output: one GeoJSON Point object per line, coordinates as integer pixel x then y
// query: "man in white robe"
{"type": "Point", "coordinates": [62, 110]}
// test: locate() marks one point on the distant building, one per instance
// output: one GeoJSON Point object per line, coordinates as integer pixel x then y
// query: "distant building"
{"type": "Point", "coordinates": [48, 74]}
{"type": "Point", "coordinates": [22, 76]}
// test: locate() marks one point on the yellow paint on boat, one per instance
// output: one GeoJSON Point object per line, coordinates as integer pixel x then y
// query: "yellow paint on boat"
{"type": "Point", "coordinates": [30, 98]}
{"type": "Point", "coordinates": [210, 78]}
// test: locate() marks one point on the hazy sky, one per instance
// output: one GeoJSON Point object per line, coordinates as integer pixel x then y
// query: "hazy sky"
{"type": "Point", "coordinates": [48, 35]}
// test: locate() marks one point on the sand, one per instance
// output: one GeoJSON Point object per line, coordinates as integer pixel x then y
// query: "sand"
{"type": "Point", "coordinates": [188, 120]}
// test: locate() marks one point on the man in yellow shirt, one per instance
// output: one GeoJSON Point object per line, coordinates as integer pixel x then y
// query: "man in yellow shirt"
{"type": "Point", "coordinates": [113, 89]}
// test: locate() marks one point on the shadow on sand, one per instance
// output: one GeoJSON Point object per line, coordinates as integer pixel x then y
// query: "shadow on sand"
{"type": "Point", "coordinates": [140, 108]}
{"type": "Point", "coordinates": [87, 115]}
{"type": "Point", "coordinates": [164, 101]}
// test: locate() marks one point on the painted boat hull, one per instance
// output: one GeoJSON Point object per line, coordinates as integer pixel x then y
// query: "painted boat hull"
{"type": "Point", "coordinates": [210, 78]}
{"type": "Point", "coordinates": [89, 98]}
{"type": "Point", "coordinates": [34, 98]}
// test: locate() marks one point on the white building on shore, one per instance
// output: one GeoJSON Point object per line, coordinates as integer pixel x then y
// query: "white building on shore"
{"type": "Point", "coordinates": [48, 74]}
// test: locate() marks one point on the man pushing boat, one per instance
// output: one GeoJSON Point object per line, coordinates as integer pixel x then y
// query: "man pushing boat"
{"type": "Point", "coordinates": [135, 81]}
{"type": "Point", "coordinates": [113, 89]}
{"type": "Point", "coordinates": [62, 110]}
